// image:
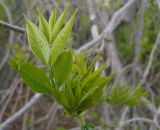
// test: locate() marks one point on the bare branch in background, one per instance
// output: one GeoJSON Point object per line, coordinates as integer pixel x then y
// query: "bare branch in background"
{"type": "Point", "coordinates": [137, 119]}
{"type": "Point", "coordinates": [151, 57]}
{"type": "Point", "coordinates": [110, 27]}
{"type": "Point", "coordinates": [52, 115]}
{"type": "Point", "coordinates": [118, 17]}
{"type": "Point", "coordinates": [19, 113]}
{"type": "Point", "coordinates": [11, 35]}
{"type": "Point", "coordinates": [158, 2]}
{"type": "Point", "coordinates": [12, 27]}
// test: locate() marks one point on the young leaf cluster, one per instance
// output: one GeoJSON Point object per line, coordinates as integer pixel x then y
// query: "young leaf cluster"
{"type": "Point", "coordinates": [48, 42]}
{"type": "Point", "coordinates": [83, 88]}
{"type": "Point", "coordinates": [16, 59]}
{"type": "Point", "coordinates": [76, 86]}
{"type": "Point", "coordinates": [50, 39]}
{"type": "Point", "coordinates": [72, 82]}
{"type": "Point", "coordinates": [124, 95]}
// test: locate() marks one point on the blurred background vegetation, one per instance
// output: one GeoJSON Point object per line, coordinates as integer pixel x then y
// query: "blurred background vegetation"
{"type": "Point", "coordinates": [134, 40]}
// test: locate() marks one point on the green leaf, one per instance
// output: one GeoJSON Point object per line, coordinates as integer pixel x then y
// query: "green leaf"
{"type": "Point", "coordinates": [44, 27]}
{"type": "Point", "coordinates": [88, 127]}
{"type": "Point", "coordinates": [93, 76]}
{"type": "Point", "coordinates": [91, 67]}
{"type": "Point", "coordinates": [76, 58]}
{"type": "Point", "coordinates": [125, 96]}
{"type": "Point", "coordinates": [100, 82]}
{"type": "Point", "coordinates": [83, 63]}
{"type": "Point", "coordinates": [37, 42]}
{"type": "Point", "coordinates": [52, 19]}
{"type": "Point", "coordinates": [80, 65]}
{"type": "Point", "coordinates": [61, 40]}
{"type": "Point", "coordinates": [63, 67]}
{"type": "Point", "coordinates": [58, 25]}
{"type": "Point", "coordinates": [34, 78]}
{"type": "Point", "coordinates": [90, 98]}
{"type": "Point", "coordinates": [78, 94]}
{"type": "Point", "coordinates": [69, 96]}
{"type": "Point", "coordinates": [19, 58]}
{"type": "Point", "coordinates": [61, 98]}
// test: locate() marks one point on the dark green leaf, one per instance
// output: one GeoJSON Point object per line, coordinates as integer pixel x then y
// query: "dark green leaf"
{"type": "Point", "coordinates": [69, 96]}
{"type": "Point", "coordinates": [88, 127]}
{"type": "Point", "coordinates": [62, 67]}
{"type": "Point", "coordinates": [34, 78]}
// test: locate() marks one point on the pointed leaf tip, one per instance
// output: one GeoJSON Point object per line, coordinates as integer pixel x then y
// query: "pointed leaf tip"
{"type": "Point", "coordinates": [61, 40]}
{"type": "Point", "coordinates": [37, 41]}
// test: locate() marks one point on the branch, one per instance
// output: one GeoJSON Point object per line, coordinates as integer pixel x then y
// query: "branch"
{"type": "Point", "coordinates": [136, 119]}
{"type": "Point", "coordinates": [115, 21]}
{"type": "Point", "coordinates": [155, 118]}
{"type": "Point", "coordinates": [118, 17]}
{"type": "Point", "coordinates": [158, 2]}
{"type": "Point", "coordinates": [146, 72]}
{"type": "Point", "coordinates": [12, 27]}
{"type": "Point", "coordinates": [90, 44]}
{"type": "Point", "coordinates": [19, 113]}
{"type": "Point", "coordinates": [11, 34]}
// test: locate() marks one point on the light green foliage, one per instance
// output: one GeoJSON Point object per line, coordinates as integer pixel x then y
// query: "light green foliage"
{"type": "Point", "coordinates": [16, 59]}
{"type": "Point", "coordinates": [37, 41]}
{"type": "Point", "coordinates": [58, 25]}
{"type": "Point", "coordinates": [61, 40]}
{"type": "Point", "coordinates": [44, 27]}
{"type": "Point", "coordinates": [125, 96]}
{"type": "Point", "coordinates": [52, 19]}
